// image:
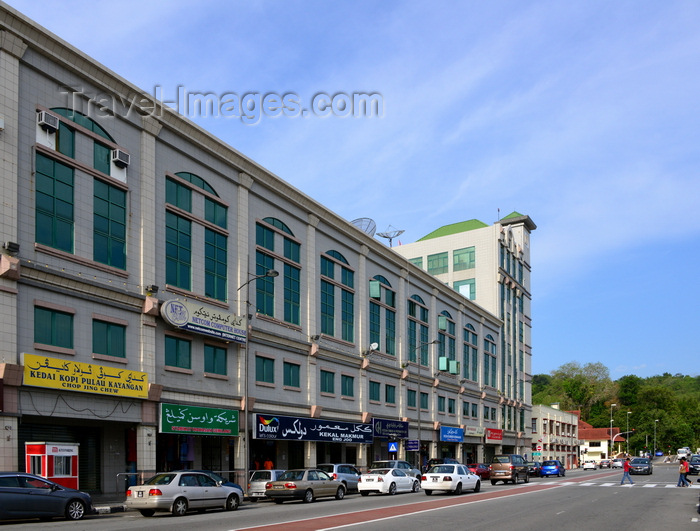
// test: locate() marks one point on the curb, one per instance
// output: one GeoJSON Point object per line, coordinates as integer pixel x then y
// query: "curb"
{"type": "Point", "coordinates": [108, 509]}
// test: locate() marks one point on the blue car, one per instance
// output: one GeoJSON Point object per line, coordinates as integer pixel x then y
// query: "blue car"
{"type": "Point", "coordinates": [553, 467]}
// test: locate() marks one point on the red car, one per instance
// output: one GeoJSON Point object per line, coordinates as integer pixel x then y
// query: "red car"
{"type": "Point", "coordinates": [480, 469]}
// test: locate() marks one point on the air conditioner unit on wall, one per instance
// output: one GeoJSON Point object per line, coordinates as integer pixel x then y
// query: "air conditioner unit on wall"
{"type": "Point", "coordinates": [47, 121]}
{"type": "Point", "coordinates": [120, 158]}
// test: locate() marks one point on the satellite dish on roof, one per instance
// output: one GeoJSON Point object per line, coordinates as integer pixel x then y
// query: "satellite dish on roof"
{"type": "Point", "coordinates": [390, 234]}
{"type": "Point", "coordinates": [366, 225]}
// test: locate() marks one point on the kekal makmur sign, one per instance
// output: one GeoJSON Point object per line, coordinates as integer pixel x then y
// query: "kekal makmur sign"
{"type": "Point", "coordinates": [306, 429]}
{"type": "Point", "coordinates": [205, 320]}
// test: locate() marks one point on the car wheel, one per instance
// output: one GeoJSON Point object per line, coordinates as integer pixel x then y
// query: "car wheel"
{"type": "Point", "coordinates": [147, 512]}
{"type": "Point", "coordinates": [340, 493]}
{"type": "Point", "coordinates": [392, 489]}
{"type": "Point", "coordinates": [458, 490]}
{"type": "Point", "coordinates": [179, 507]}
{"type": "Point", "coordinates": [278, 501]}
{"type": "Point", "coordinates": [75, 510]}
{"type": "Point", "coordinates": [416, 487]}
{"type": "Point", "coordinates": [428, 492]}
{"type": "Point", "coordinates": [308, 496]}
{"type": "Point", "coordinates": [493, 482]}
{"type": "Point", "coordinates": [364, 493]}
{"type": "Point", "coordinates": [477, 487]}
{"type": "Point", "coordinates": [232, 502]}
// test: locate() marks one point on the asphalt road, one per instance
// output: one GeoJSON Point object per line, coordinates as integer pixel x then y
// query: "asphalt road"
{"type": "Point", "coordinates": [582, 500]}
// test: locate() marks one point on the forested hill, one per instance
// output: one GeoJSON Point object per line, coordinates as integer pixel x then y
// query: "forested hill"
{"type": "Point", "coordinates": [667, 404]}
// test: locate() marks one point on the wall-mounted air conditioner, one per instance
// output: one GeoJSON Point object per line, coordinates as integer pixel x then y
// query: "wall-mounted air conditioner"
{"type": "Point", "coordinates": [47, 121]}
{"type": "Point", "coordinates": [120, 158]}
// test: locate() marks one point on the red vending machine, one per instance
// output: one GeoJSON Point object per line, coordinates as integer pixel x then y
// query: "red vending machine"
{"type": "Point", "coordinates": [57, 462]}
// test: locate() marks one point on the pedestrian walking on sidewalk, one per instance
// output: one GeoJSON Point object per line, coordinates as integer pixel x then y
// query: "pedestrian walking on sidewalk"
{"type": "Point", "coordinates": [626, 472]}
{"type": "Point", "coordinates": [683, 470]}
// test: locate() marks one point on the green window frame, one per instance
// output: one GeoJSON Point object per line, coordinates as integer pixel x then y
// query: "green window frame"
{"type": "Point", "coordinates": [411, 398]}
{"type": "Point", "coordinates": [54, 204]}
{"type": "Point", "coordinates": [475, 410]}
{"type": "Point", "coordinates": [102, 158]}
{"type": "Point", "coordinates": [464, 259]}
{"type": "Point", "coordinates": [347, 385]}
{"type": "Point", "coordinates": [292, 373]}
{"type": "Point", "coordinates": [215, 360]}
{"type": "Point", "coordinates": [177, 194]}
{"type": "Point", "coordinates": [375, 326]}
{"type": "Point", "coordinates": [264, 286]}
{"type": "Point", "coordinates": [265, 237]}
{"type": "Point", "coordinates": [327, 382]}
{"type": "Point", "coordinates": [390, 394]}
{"type": "Point", "coordinates": [348, 316]}
{"type": "Point", "coordinates": [418, 261]}
{"type": "Point", "coordinates": [374, 391]}
{"type": "Point", "coordinates": [108, 339]}
{"type": "Point", "coordinates": [178, 251]}
{"type": "Point", "coordinates": [451, 406]}
{"type": "Point", "coordinates": [465, 409]}
{"type": "Point", "coordinates": [441, 404]}
{"type": "Point", "coordinates": [65, 140]}
{"type": "Point", "coordinates": [466, 288]}
{"type": "Point", "coordinates": [178, 352]}
{"type": "Point", "coordinates": [327, 308]}
{"type": "Point", "coordinates": [329, 283]}
{"type": "Point", "coordinates": [264, 370]}
{"type": "Point", "coordinates": [292, 294]}
{"type": "Point", "coordinates": [109, 225]}
{"type": "Point", "coordinates": [215, 265]}
{"type": "Point", "coordinates": [438, 263]}
{"type": "Point", "coordinates": [215, 213]}
{"type": "Point", "coordinates": [53, 327]}
{"type": "Point", "coordinates": [424, 400]}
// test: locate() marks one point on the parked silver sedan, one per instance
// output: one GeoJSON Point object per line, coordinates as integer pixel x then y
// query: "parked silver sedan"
{"type": "Point", "coordinates": [179, 492]}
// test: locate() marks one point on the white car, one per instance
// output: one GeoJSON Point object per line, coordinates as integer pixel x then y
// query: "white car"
{"type": "Point", "coordinates": [618, 463]}
{"type": "Point", "coordinates": [179, 492]}
{"type": "Point", "coordinates": [590, 465]}
{"type": "Point", "coordinates": [450, 478]}
{"type": "Point", "coordinates": [387, 481]}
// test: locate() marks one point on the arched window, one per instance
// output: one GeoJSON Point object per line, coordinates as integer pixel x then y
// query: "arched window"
{"type": "Point", "coordinates": [490, 361]}
{"type": "Point", "coordinates": [382, 300]}
{"type": "Point", "coordinates": [337, 277]}
{"type": "Point", "coordinates": [418, 328]}
{"type": "Point", "coordinates": [470, 353]}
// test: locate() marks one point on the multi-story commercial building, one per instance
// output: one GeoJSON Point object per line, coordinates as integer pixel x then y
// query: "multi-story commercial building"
{"type": "Point", "coordinates": [490, 265]}
{"type": "Point", "coordinates": [555, 435]}
{"type": "Point", "coordinates": [168, 303]}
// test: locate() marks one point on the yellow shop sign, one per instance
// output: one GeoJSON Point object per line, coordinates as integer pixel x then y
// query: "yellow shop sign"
{"type": "Point", "coordinates": [42, 371]}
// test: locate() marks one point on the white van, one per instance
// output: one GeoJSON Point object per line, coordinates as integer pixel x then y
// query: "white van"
{"type": "Point", "coordinates": [684, 452]}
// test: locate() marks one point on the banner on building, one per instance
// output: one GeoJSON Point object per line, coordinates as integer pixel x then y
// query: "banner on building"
{"type": "Point", "coordinates": [450, 434]}
{"type": "Point", "coordinates": [493, 434]}
{"type": "Point", "coordinates": [42, 371]}
{"type": "Point", "coordinates": [474, 431]}
{"type": "Point", "coordinates": [193, 420]}
{"type": "Point", "coordinates": [391, 429]}
{"type": "Point", "coordinates": [306, 429]}
{"type": "Point", "coordinates": [205, 320]}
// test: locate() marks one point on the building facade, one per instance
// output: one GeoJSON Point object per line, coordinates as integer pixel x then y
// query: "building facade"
{"type": "Point", "coordinates": [168, 303]}
{"type": "Point", "coordinates": [555, 435]}
{"type": "Point", "coordinates": [490, 265]}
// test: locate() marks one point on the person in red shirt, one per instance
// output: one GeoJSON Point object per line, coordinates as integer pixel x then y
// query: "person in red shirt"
{"type": "Point", "coordinates": [626, 472]}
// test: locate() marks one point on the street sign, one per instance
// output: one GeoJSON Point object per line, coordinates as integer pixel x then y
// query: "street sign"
{"type": "Point", "coordinates": [536, 454]}
{"type": "Point", "coordinates": [412, 445]}
{"type": "Point", "coordinates": [393, 447]}
{"type": "Point", "coordinates": [539, 448]}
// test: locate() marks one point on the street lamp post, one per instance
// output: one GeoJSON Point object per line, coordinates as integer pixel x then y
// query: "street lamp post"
{"type": "Point", "coordinates": [246, 436]}
{"type": "Point", "coordinates": [654, 453]}
{"type": "Point", "coordinates": [611, 430]}
{"type": "Point", "coordinates": [628, 430]}
{"type": "Point", "coordinates": [418, 401]}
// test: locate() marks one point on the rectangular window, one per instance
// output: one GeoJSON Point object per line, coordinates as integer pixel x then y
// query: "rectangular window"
{"type": "Point", "coordinates": [292, 294]}
{"type": "Point", "coordinates": [412, 341]}
{"type": "Point", "coordinates": [411, 398]}
{"type": "Point", "coordinates": [486, 412]}
{"type": "Point", "coordinates": [109, 225]}
{"type": "Point", "coordinates": [265, 237]}
{"type": "Point", "coordinates": [374, 391]}
{"type": "Point", "coordinates": [348, 316]}
{"type": "Point", "coordinates": [475, 410]}
{"type": "Point", "coordinates": [291, 375]}
{"type": "Point", "coordinates": [466, 288]}
{"type": "Point", "coordinates": [347, 385]}
{"type": "Point", "coordinates": [264, 369]}
{"type": "Point", "coordinates": [390, 394]}
{"type": "Point", "coordinates": [62, 465]}
{"type": "Point", "coordinates": [215, 213]}
{"type": "Point", "coordinates": [52, 327]}
{"type": "Point", "coordinates": [54, 204]}
{"type": "Point", "coordinates": [390, 332]}
{"type": "Point", "coordinates": [178, 251]}
{"type": "Point", "coordinates": [102, 158]}
{"type": "Point", "coordinates": [292, 250]}
{"type": "Point", "coordinates": [327, 382]}
{"type": "Point", "coordinates": [418, 262]}
{"type": "Point", "coordinates": [177, 352]}
{"type": "Point", "coordinates": [424, 400]}
{"type": "Point", "coordinates": [178, 195]}
{"type": "Point", "coordinates": [441, 404]}
{"type": "Point", "coordinates": [327, 308]}
{"type": "Point", "coordinates": [451, 406]}
{"type": "Point", "coordinates": [215, 265]}
{"type": "Point", "coordinates": [215, 360]}
{"type": "Point", "coordinates": [465, 409]}
{"type": "Point", "coordinates": [327, 267]}
{"type": "Point", "coordinates": [464, 259]}
{"type": "Point", "coordinates": [264, 286]}
{"type": "Point", "coordinates": [375, 323]}
{"type": "Point", "coordinates": [65, 140]}
{"type": "Point", "coordinates": [437, 263]}
{"type": "Point", "coordinates": [108, 339]}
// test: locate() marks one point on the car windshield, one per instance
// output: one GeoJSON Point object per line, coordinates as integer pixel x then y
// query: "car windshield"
{"type": "Point", "coordinates": [382, 464]}
{"type": "Point", "coordinates": [640, 461]}
{"type": "Point", "coordinates": [442, 469]}
{"type": "Point", "coordinates": [550, 463]}
{"type": "Point", "coordinates": [379, 471]}
{"type": "Point", "coordinates": [326, 468]}
{"type": "Point", "coordinates": [161, 479]}
{"type": "Point", "coordinates": [293, 475]}
{"type": "Point", "coordinates": [501, 459]}
{"type": "Point", "coordinates": [695, 459]}
{"type": "Point", "coordinates": [261, 475]}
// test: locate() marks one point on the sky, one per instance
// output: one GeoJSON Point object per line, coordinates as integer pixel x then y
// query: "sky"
{"type": "Point", "coordinates": [583, 115]}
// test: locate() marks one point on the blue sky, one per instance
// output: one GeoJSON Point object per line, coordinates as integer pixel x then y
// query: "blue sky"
{"type": "Point", "coordinates": [583, 115]}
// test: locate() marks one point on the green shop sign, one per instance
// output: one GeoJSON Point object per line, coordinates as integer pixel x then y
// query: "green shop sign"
{"type": "Point", "coordinates": [192, 420]}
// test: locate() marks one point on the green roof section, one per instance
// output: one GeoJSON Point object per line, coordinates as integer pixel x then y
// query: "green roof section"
{"type": "Point", "coordinates": [513, 215]}
{"type": "Point", "coordinates": [454, 228]}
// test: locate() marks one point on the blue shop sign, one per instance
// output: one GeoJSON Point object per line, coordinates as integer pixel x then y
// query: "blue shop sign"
{"type": "Point", "coordinates": [306, 429]}
{"type": "Point", "coordinates": [449, 434]}
{"type": "Point", "coordinates": [392, 429]}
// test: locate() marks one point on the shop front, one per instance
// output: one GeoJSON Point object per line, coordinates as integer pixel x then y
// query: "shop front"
{"type": "Point", "coordinates": [388, 435]}
{"type": "Point", "coordinates": [493, 443]}
{"type": "Point", "coordinates": [473, 444]}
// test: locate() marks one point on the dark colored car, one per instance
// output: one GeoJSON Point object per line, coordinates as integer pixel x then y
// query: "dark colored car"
{"type": "Point", "coordinates": [29, 496]}
{"type": "Point", "coordinates": [641, 465]}
{"type": "Point", "coordinates": [534, 468]}
{"type": "Point", "coordinates": [694, 465]}
{"type": "Point", "coordinates": [440, 461]}
{"type": "Point", "coordinates": [552, 467]}
{"type": "Point", "coordinates": [480, 469]}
